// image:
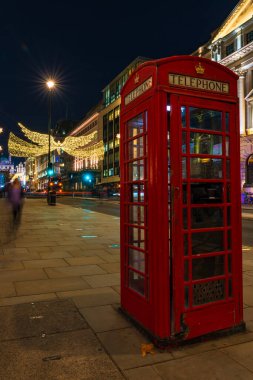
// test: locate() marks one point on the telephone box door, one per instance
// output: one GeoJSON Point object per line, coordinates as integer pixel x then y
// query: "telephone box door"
{"type": "Point", "coordinates": [206, 238]}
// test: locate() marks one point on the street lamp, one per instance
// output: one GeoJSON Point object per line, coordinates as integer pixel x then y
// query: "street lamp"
{"type": "Point", "coordinates": [50, 85]}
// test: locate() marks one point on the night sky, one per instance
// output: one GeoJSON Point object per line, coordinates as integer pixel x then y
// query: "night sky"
{"type": "Point", "coordinates": [84, 45]}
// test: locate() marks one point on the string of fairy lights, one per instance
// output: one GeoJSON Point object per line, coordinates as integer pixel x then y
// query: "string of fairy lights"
{"type": "Point", "coordinates": [79, 147]}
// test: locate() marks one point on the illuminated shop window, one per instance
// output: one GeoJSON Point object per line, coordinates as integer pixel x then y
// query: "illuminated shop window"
{"type": "Point", "coordinates": [116, 112]}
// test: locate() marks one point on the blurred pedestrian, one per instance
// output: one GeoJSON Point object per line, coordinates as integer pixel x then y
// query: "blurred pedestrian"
{"type": "Point", "coordinates": [16, 199]}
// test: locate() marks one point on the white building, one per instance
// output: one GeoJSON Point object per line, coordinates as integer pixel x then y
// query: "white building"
{"type": "Point", "coordinates": [20, 172]}
{"type": "Point", "coordinates": [232, 46]}
{"type": "Point", "coordinates": [6, 165]}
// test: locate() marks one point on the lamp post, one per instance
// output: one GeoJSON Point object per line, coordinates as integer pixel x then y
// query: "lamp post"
{"type": "Point", "coordinates": [50, 85]}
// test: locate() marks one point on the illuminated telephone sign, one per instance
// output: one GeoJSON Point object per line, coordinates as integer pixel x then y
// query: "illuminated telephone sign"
{"type": "Point", "coordinates": [138, 91]}
{"type": "Point", "coordinates": [198, 83]}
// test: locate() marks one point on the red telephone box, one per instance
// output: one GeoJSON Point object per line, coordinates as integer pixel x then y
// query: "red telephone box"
{"type": "Point", "coordinates": [181, 259]}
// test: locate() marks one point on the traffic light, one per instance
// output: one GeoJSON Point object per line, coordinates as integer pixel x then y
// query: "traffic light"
{"type": "Point", "coordinates": [50, 170]}
{"type": "Point", "coordinates": [87, 178]}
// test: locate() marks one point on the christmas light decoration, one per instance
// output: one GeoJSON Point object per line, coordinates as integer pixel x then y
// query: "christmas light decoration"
{"type": "Point", "coordinates": [91, 151]}
{"type": "Point", "coordinates": [42, 139]}
{"type": "Point", "coordinates": [81, 147]}
{"type": "Point", "coordinates": [20, 148]}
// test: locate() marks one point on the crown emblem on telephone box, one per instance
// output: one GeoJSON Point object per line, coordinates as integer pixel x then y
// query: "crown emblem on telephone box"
{"type": "Point", "coordinates": [199, 69]}
{"type": "Point", "coordinates": [137, 78]}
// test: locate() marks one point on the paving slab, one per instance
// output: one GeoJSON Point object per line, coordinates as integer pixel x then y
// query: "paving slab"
{"type": "Point", "coordinates": [50, 285]}
{"type": "Point", "coordinates": [7, 289]}
{"type": "Point", "coordinates": [116, 288]}
{"type": "Point", "coordinates": [249, 273]}
{"type": "Point", "coordinates": [145, 373]}
{"type": "Point", "coordinates": [14, 251]}
{"type": "Point", "coordinates": [54, 254]}
{"type": "Point", "coordinates": [8, 244]}
{"type": "Point", "coordinates": [109, 258]}
{"type": "Point", "coordinates": [248, 295]}
{"type": "Point", "coordinates": [92, 297]}
{"type": "Point", "coordinates": [24, 274]}
{"type": "Point", "coordinates": [124, 346]}
{"type": "Point", "coordinates": [45, 250]}
{"type": "Point", "coordinates": [37, 318]}
{"type": "Point", "coordinates": [27, 299]}
{"type": "Point", "coordinates": [214, 365]}
{"type": "Point", "coordinates": [68, 242]}
{"type": "Point", "coordinates": [6, 263]}
{"type": "Point", "coordinates": [74, 271]}
{"type": "Point", "coordinates": [113, 251]}
{"type": "Point", "coordinates": [242, 354]}
{"type": "Point", "coordinates": [46, 263]}
{"type": "Point", "coordinates": [103, 280]}
{"type": "Point", "coordinates": [89, 245]}
{"type": "Point", "coordinates": [248, 314]}
{"type": "Point", "coordinates": [247, 280]}
{"type": "Point", "coordinates": [104, 318]}
{"type": "Point", "coordinates": [28, 243]}
{"type": "Point", "coordinates": [212, 344]}
{"type": "Point", "coordinates": [22, 256]}
{"type": "Point", "coordinates": [64, 356]}
{"type": "Point", "coordinates": [85, 260]}
{"type": "Point", "coordinates": [111, 267]}
{"type": "Point", "coordinates": [247, 268]}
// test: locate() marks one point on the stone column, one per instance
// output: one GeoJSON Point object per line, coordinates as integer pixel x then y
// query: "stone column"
{"type": "Point", "coordinates": [241, 96]}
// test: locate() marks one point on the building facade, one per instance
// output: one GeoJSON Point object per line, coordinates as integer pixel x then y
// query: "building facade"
{"type": "Point", "coordinates": [6, 165]}
{"type": "Point", "coordinates": [20, 172]}
{"type": "Point", "coordinates": [232, 46]}
{"type": "Point", "coordinates": [6, 170]}
{"type": "Point", "coordinates": [31, 174]}
{"type": "Point", "coordinates": [84, 172]}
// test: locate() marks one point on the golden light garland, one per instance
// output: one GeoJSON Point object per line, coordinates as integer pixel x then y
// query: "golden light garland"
{"type": "Point", "coordinates": [36, 137]}
{"type": "Point", "coordinates": [20, 148]}
{"type": "Point", "coordinates": [42, 139]}
{"type": "Point", "coordinates": [96, 150]}
{"type": "Point", "coordinates": [74, 146]}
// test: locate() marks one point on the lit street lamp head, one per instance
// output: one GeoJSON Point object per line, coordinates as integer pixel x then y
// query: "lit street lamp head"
{"type": "Point", "coordinates": [50, 84]}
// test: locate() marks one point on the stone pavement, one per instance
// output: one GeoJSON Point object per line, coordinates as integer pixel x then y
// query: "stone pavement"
{"type": "Point", "coordinates": [59, 299]}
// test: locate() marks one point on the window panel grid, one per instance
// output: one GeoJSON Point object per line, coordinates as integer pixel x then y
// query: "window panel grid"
{"type": "Point", "coordinates": [135, 209]}
{"type": "Point", "coordinates": [137, 282]}
{"type": "Point", "coordinates": [221, 206]}
{"type": "Point", "coordinates": [137, 260]}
